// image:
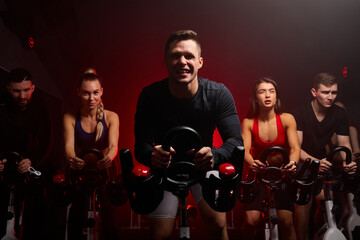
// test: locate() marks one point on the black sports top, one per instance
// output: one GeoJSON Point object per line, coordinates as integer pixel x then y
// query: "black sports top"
{"type": "Point", "coordinates": [85, 140]}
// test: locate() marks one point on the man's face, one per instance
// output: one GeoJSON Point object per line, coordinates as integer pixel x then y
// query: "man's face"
{"type": "Point", "coordinates": [325, 96]}
{"type": "Point", "coordinates": [21, 92]}
{"type": "Point", "coordinates": [183, 61]}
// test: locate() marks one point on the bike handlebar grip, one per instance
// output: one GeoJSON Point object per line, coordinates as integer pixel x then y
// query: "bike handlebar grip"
{"type": "Point", "coordinates": [140, 172]}
{"type": "Point", "coordinates": [126, 161]}
{"type": "Point", "coordinates": [314, 168]}
{"type": "Point", "coordinates": [305, 166]}
{"type": "Point", "coordinates": [340, 149]}
{"type": "Point", "coordinates": [227, 171]}
{"type": "Point", "coordinates": [237, 158]}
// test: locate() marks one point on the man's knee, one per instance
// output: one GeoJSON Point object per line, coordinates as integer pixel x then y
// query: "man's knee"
{"type": "Point", "coordinates": [286, 223]}
{"type": "Point", "coordinates": [161, 228]}
{"type": "Point", "coordinates": [212, 218]}
{"type": "Point", "coordinates": [252, 218]}
{"type": "Point", "coordinates": [216, 222]}
{"type": "Point", "coordinates": [160, 235]}
{"type": "Point", "coordinates": [303, 209]}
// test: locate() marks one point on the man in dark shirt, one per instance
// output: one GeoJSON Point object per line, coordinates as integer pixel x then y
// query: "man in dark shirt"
{"type": "Point", "coordinates": [317, 121]}
{"type": "Point", "coordinates": [354, 118]}
{"type": "Point", "coordinates": [25, 128]}
{"type": "Point", "coordinates": [185, 99]}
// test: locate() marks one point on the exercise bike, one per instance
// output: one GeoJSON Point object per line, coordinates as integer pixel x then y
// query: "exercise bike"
{"type": "Point", "coordinates": [353, 197]}
{"type": "Point", "coordinates": [87, 181]}
{"type": "Point", "coordinates": [330, 231]}
{"type": "Point", "coordinates": [219, 187]}
{"type": "Point", "coordinates": [144, 189]}
{"type": "Point", "coordinates": [353, 221]}
{"type": "Point", "coordinates": [273, 177]}
{"type": "Point", "coordinates": [299, 188]}
{"type": "Point", "coordinates": [9, 178]}
{"type": "Point", "coordinates": [146, 186]}
{"type": "Point", "coordinates": [182, 174]}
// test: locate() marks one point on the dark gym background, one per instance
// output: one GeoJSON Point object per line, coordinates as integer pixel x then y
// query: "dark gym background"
{"type": "Point", "coordinates": [290, 41]}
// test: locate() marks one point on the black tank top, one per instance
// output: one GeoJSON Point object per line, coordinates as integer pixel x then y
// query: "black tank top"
{"type": "Point", "coordinates": [85, 140]}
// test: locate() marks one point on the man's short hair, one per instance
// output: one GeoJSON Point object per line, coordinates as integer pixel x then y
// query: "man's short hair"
{"type": "Point", "coordinates": [324, 78]}
{"type": "Point", "coordinates": [182, 35]}
{"type": "Point", "coordinates": [19, 75]}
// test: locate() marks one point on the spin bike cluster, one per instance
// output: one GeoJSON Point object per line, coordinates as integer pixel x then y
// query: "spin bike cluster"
{"type": "Point", "coordinates": [221, 188]}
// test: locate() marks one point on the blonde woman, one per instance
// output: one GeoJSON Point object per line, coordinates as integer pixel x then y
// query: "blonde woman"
{"type": "Point", "coordinates": [91, 127]}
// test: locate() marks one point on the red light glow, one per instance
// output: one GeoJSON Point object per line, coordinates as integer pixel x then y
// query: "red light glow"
{"type": "Point", "coordinates": [31, 42]}
{"type": "Point", "coordinates": [345, 72]}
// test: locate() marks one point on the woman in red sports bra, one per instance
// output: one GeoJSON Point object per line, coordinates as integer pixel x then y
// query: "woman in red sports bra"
{"type": "Point", "coordinates": [264, 126]}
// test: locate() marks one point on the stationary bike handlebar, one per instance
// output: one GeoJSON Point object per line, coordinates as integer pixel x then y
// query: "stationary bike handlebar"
{"type": "Point", "coordinates": [339, 177]}
{"type": "Point", "coordinates": [11, 155]}
{"type": "Point", "coordinates": [303, 168]}
{"type": "Point", "coordinates": [179, 132]}
{"type": "Point", "coordinates": [99, 155]}
{"type": "Point", "coordinates": [340, 149]}
{"type": "Point", "coordinates": [277, 149]}
{"type": "Point", "coordinates": [90, 176]}
{"type": "Point", "coordinates": [313, 166]}
{"type": "Point", "coordinates": [13, 158]}
{"type": "Point", "coordinates": [181, 171]}
{"type": "Point", "coordinates": [273, 175]}
{"type": "Point", "coordinates": [337, 181]}
{"type": "Point", "coordinates": [10, 173]}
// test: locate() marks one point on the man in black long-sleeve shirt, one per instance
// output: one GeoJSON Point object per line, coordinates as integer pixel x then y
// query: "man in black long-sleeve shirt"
{"type": "Point", "coordinates": [25, 128]}
{"type": "Point", "coordinates": [185, 99]}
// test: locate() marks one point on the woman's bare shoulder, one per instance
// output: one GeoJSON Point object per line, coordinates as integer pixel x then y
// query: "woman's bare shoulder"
{"type": "Point", "coordinates": [69, 120]}
{"type": "Point", "coordinates": [247, 122]}
{"type": "Point", "coordinates": [69, 116]}
{"type": "Point", "coordinates": [287, 118]}
{"type": "Point", "coordinates": [110, 115]}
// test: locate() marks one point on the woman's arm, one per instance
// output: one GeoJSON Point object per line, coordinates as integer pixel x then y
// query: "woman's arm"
{"type": "Point", "coordinates": [69, 143]}
{"type": "Point", "coordinates": [113, 134]}
{"type": "Point", "coordinates": [69, 136]}
{"type": "Point", "coordinates": [246, 135]}
{"type": "Point", "coordinates": [292, 137]}
{"type": "Point", "coordinates": [112, 149]}
{"type": "Point", "coordinates": [255, 164]}
{"type": "Point", "coordinates": [293, 141]}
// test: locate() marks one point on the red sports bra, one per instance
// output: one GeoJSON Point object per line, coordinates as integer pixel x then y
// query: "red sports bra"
{"type": "Point", "coordinates": [258, 145]}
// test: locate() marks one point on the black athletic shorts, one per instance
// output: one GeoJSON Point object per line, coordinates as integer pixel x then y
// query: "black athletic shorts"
{"type": "Point", "coordinates": [282, 198]}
